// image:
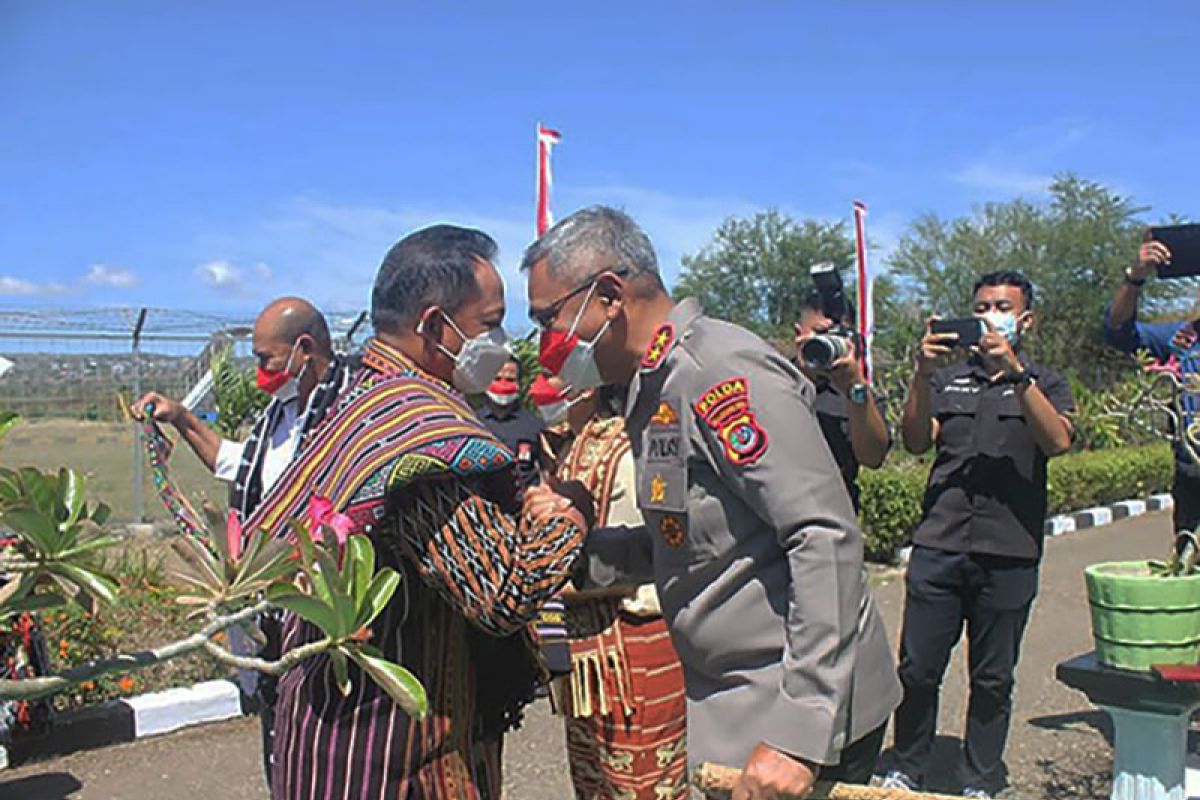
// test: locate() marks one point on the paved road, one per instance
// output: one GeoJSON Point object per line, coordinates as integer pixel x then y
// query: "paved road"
{"type": "Point", "coordinates": [1058, 746]}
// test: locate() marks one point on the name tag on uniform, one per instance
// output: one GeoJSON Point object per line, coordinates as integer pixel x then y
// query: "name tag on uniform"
{"type": "Point", "coordinates": [662, 483]}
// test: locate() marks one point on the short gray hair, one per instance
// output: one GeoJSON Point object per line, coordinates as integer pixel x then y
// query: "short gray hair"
{"type": "Point", "coordinates": [598, 230]}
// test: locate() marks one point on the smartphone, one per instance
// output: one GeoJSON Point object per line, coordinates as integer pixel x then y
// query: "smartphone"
{"type": "Point", "coordinates": [969, 329]}
{"type": "Point", "coordinates": [1184, 243]}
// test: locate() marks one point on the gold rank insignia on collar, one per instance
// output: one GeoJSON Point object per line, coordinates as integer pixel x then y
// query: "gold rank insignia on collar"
{"type": "Point", "coordinates": [665, 416]}
{"type": "Point", "coordinates": [660, 347]}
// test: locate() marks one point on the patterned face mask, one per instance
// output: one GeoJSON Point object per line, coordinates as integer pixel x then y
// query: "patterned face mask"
{"type": "Point", "coordinates": [479, 358]}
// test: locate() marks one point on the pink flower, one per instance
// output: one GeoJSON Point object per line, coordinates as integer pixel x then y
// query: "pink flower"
{"type": "Point", "coordinates": [321, 515]}
{"type": "Point", "coordinates": [233, 535]}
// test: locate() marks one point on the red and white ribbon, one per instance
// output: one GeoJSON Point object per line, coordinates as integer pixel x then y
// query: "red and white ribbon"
{"type": "Point", "coordinates": [866, 311]}
{"type": "Point", "coordinates": [546, 139]}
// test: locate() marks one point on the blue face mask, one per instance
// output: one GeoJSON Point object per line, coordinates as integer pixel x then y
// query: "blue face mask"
{"type": "Point", "coordinates": [1005, 322]}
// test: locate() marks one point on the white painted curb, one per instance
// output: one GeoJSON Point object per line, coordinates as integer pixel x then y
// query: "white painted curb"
{"type": "Point", "coordinates": [163, 712]}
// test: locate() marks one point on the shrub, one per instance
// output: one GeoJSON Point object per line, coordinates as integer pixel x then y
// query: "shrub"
{"type": "Point", "coordinates": [892, 497]}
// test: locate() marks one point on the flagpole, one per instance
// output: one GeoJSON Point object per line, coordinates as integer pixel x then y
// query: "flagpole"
{"type": "Point", "coordinates": [865, 310]}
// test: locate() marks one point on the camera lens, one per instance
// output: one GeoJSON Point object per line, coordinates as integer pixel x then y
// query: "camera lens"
{"type": "Point", "coordinates": [820, 352]}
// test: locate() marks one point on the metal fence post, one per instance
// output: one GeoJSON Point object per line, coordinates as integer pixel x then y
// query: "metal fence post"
{"type": "Point", "coordinates": [139, 500]}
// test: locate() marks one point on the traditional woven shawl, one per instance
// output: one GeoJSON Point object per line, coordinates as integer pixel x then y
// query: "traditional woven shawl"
{"type": "Point", "coordinates": [390, 428]}
{"type": "Point", "coordinates": [246, 491]}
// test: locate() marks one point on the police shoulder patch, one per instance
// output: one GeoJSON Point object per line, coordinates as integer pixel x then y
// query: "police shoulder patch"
{"type": "Point", "coordinates": [660, 346]}
{"type": "Point", "coordinates": [725, 408]}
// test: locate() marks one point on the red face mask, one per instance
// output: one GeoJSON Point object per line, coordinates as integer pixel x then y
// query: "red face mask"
{"type": "Point", "coordinates": [502, 387]}
{"type": "Point", "coordinates": [271, 381]}
{"type": "Point", "coordinates": [543, 393]}
{"type": "Point", "coordinates": [554, 347]}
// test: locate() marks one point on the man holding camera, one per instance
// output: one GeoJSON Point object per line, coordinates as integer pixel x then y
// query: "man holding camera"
{"type": "Point", "coordinates": [996, 418]}
{"type": "Point", "coordinates": [851, 417]}
{"type": "Point", "coordinates": [1163, 340]}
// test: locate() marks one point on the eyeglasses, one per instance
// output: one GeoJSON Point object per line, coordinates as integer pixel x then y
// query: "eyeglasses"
{"type": "Point", "coordinates": [543, 318]}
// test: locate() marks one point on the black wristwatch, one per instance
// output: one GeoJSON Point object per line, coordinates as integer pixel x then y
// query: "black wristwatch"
{"type": "Point", "coordinates": [1133, 281]}
{"type": "Point", "coordinates": [858, 394]}
{"type": "Point", "coordinates": [1022, 378]}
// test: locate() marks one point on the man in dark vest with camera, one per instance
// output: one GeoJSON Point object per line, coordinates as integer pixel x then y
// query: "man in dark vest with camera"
{"type": "Point", "coordinates": [995, 417]}
{"type": "Point", "coordinates": [850, 415]}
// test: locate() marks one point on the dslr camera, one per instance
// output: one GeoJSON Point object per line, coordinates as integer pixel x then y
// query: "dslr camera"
{"type": "Point", "coordinates": [822, 350]}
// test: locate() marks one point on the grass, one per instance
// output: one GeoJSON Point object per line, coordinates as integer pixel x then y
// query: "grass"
{"type": "Point", "coordinates": [145, 615]}
{"type": "Point", "coordinates": [104, 451]}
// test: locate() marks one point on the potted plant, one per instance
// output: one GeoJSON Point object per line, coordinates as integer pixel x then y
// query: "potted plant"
{"type": "Point", "coordinates": [1147, 612]}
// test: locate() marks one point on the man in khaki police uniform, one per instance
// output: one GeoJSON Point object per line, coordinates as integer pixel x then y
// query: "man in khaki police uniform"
{"type": "Point", "coordinates": [752, 537]}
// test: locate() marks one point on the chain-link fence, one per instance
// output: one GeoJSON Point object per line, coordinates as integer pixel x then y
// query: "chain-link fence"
{"type": "Point", "coordinates": [72, 374]}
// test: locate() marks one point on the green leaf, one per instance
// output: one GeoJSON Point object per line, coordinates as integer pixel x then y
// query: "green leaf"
{"type": "Point", "coordinates": [39, 489]}
{"type": "Point", "coordinates": [99, 586]}
{"type": "Point", "coordinates": [360, 560]}
{"type": "Point", "coordinates": [400, 684]}
{"type": "Point", "coordinates": [335, 591]}
{"type": "Point", "coordinates": [7, 420]}
{"type": "Point", "coordinates": [376, 598]}
{"type": "Point", "coordinates": [71, 493]}
{"type": "Point", "coordinates": [341, 671]}
{"type": "Point", "coordinates": [101, 514]}
{"type": "Point", "coordinates": [35, 527]}
{"type": "Point", "coordinates": [91, 545]}
{"type": "Point", "coordinates": [307, 607]}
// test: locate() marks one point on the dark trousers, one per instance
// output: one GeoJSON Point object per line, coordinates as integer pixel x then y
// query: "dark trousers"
{"type": "Point", "coordinates": [1186, 494]}
{"type": "Point", "coordinates": [858, 760]}
{"type": "Point", "coordinates": [992, 595]}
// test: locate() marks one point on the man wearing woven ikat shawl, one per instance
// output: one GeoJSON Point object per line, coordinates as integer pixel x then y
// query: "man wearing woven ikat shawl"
{"type": "Point", "coordinates": [405, 457]}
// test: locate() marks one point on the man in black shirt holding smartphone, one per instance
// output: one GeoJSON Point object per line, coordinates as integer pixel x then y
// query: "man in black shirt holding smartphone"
{"type": "Point", "coordinates": [995, 418]}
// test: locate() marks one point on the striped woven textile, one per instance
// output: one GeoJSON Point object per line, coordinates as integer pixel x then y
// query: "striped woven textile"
{"type": "Point", "coordinates": [405, 458]}
{"type": "Point", "coordinates": [624, 702]}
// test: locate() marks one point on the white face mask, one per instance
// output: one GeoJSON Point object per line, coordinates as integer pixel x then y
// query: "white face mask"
{"type": "Point", "coordinates": [1005, 322]}
{"type": "Point", "coordinates": [554, 413]}
{"type": "Point", "coordinates": [504, 400]}
{"type": "Point", "coordinates": [478, 360]}
{"type": "Point", "coordinates": [579, 370]}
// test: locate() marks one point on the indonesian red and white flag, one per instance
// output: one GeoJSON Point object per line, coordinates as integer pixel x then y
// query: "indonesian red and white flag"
{"type": "Point", "coordinates": [546, 139]}
{"type": "Point", "coordinates": [865, 308]}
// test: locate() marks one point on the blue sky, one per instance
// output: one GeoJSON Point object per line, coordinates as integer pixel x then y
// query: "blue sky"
{"type": "Point", "coordinates": [212, 155]}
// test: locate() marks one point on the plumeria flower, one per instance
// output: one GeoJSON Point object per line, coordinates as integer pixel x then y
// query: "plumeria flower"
{"type": "Point", "coordinates": [321, 515]}
{"type": "Point", "coordinates": [233, 535]}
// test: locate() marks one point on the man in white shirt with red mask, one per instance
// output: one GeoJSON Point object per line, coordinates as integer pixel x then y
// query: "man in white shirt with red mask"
{"type": "Point", "coordinates": [298, 368]}
{"type": "Point", "coordinates": [294, 352]}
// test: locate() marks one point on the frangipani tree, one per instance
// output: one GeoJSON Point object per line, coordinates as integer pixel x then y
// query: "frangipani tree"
{"type": "Point", "coordinates": [55, 542]}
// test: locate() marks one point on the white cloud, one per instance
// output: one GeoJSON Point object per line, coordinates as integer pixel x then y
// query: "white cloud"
{"type": "Point", "coordinates": [220, 274]}
{"type": "Point", "coordinates": [329, 251]}
{"type": "Point", "coordinates": [263, 271]}
{"type": "Point", "coordinates": [113, 277]}
{"type": "Point", "coordinates": [20, 287]}
{"type": "Point", "coordinates": [995, 178]}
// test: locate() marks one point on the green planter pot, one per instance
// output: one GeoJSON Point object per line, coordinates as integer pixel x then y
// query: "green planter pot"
{"type": "Point", "coordinates": [1140, 619]}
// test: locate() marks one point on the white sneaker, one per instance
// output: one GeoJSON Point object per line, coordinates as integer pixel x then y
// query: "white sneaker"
{"type": "Point", "coordinates": [978, 794]}
{"type": "Point", "coordinates": [898, 780]}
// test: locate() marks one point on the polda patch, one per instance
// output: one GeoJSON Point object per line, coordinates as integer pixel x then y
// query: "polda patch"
{"type": "Point", "coordinates": [660, 346]}
{"type": "Point", "coordinates": [725, 408]}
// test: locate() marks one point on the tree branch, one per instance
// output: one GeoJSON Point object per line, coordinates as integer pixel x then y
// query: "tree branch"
{"type": "Point", "coordinates": [31, 688]}
{"type": "Point", "coordinates": [290, 659]}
